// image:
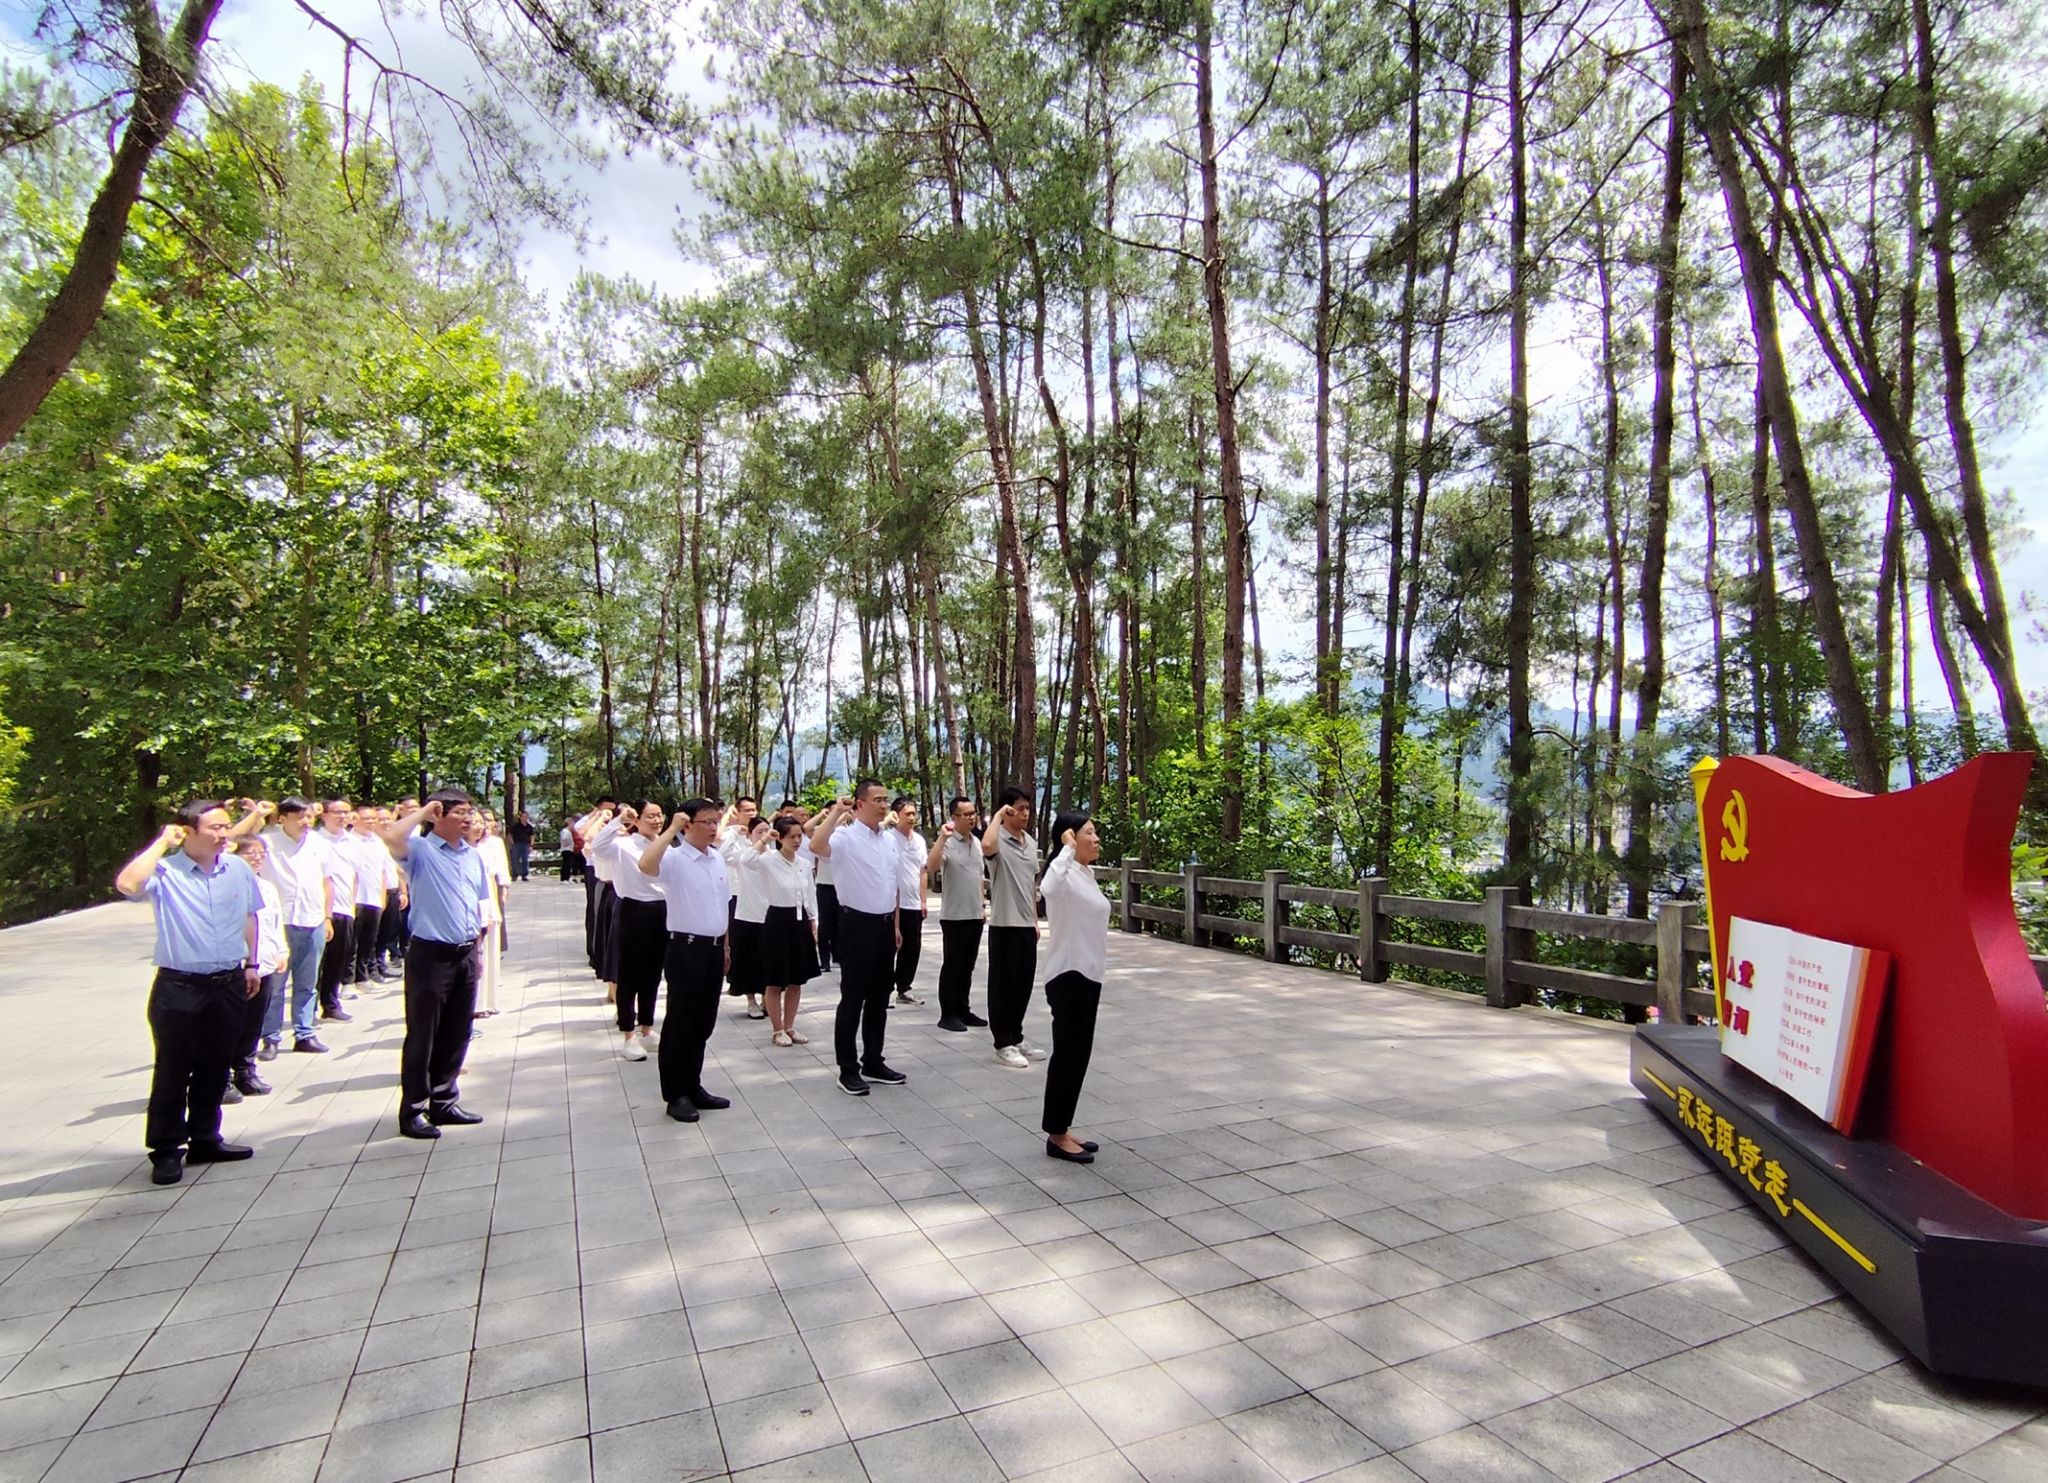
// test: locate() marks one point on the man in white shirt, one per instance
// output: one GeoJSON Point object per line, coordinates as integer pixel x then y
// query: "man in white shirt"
{"type": "Point", "coordinates": [958, 859]}
{"type": "Point", "coordinates": [867, 863]}
{"type": "Point", "coordinates": [272, 958]}
{"type": "Point", "coordinates": [912, 882]}
{"type": "Point", "coordinates": [296, 863]}
{"type": "Point", "coordinates": [693, 884]}
{"type": "Point", "coordinates": [337, 963]}
{"type": "Point", "coordinates": [376, 879]}
{"type": "Point", "coordinates": [1012, 927]}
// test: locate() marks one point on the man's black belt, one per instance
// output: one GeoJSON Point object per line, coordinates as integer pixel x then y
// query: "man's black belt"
{"type": "Point", "coordinates": [696, 939]}
{"type": "Point", "coordinates": [205, 976]}
{"type": "Point", "coordinates": [877, 916]}
{"type": "Point", "coordinates": [451, 947]}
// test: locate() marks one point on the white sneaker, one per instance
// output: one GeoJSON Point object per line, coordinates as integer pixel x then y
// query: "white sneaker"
{"type": "Point", "coordinates": [1012, 1057]}
{"type": "Point", "coordinates": [650, 1039]}
{"type": "Point", "coordinates": [632, 1050]}
{"type": "Point", "coordinates": [1031, 1050]}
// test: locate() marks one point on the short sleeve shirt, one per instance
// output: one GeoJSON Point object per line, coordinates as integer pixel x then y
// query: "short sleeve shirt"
{"type": "Point", "coordinates": [866, 864]}
{"type": "Point", "coordinates": [910, 869]}
{"type": "Point", "coordinates": [449, 887]}
{"type": "Point", "coordinates": [202, 912]}
{"type": "Point", "coordinates": [1012, 881]}
{"type": "Point", "coordinates": [960, 878]}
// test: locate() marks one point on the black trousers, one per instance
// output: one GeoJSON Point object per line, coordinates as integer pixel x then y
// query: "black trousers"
{"type": "Point", "coordinates": [696, 974]}
{"type": "Point", "coordinates": [1012, 963]}
{"type": "Point", "coordinates": [912, 925]}
{"type": "Point", "coordinates": [643, 950]}
{"type": "Point", "coordinates": [440, 1001]}
{"type": "Point", "coordinates": [392, 935]}
{"type": "Point", "coordinates": [590, 888]}
{"type": "Point", "coordinates": [258, 1009]}
{"type": "Point", "coordinates": [572, 864]}
{"type": "Point", "coordinates": [828, 925]}
{"type": "Point", "coordinates": [1073, 1001]}
{"type": "Point", "coordinates": [337, 961]}
{"type": "Point", "coordinates": [197, 1020]}
{"type": "Point", "coordinates": [369, 929]}
{"type": "Point", "coordinates": [867, 954]}
{"type": "Point", "coordinates": [961, 945]}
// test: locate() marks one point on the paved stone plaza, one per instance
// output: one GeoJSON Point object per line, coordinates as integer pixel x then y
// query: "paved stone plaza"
{"type": "Point", "coordinates": [1336, 1232]}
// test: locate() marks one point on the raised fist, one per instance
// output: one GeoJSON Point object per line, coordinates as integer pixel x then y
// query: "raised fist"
{"type": "Point", "coordinates": [174, 836]}
{"type": "Point", "coordinates": [680, 822]}
{"type": "Point", "coordinates": [266, 808]}
{"type": "Point", "coordinates": [431, 811]}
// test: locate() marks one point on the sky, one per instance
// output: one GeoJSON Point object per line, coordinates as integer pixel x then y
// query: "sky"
{"type": "Point", "coordinates": [635, 206]}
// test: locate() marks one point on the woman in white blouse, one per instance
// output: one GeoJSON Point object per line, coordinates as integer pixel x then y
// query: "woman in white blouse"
{"type": "Point", "coordinates": [1077, 947]}
{"type": "Point", "coordinates": [491, 845]}
{"type": "Point", "coordinates": [788, 949]}
{"type": "Point", "coordinates": [750, 912]}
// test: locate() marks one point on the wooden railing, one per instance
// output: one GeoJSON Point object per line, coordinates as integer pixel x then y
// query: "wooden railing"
{"type": "Point", "coordinates": [1508, 966]}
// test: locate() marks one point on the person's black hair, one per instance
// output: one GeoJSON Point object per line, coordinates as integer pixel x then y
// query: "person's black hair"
{"type": "Point", "coordinates": [295, 805]}
{"type": "Point", "coordinates": [863, 785]}
{"type": "Point", "coordinates": [783, 824]}
{"type": "Point", "coordinates": [604, 798]}
{"type": "Point", "coordinates": [695, 806]}
{"type": "Point", "coordinates": [660, 809]}
{"type": "Point", "coordinates": [333, 798]}
{"type": "Point", "coordinates": [196, 809]}
{"type": "Point", "coordinates": [1013, 794]}
{"type": "Point", "coordinates": [746, 798]}
{"type": "Point", "coordinates": [786, 805]}
{"type": "Point", "coordinates": [958, 799]}
{"type": "Point", "coordinates": [1067, 818]}
{"type": "Point", "coordinates": [901, 799]}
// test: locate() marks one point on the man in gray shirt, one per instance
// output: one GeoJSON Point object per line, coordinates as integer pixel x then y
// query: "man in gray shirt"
{"type": "Point", "coordinates": [957, 858]}
{"type": "Point", "coordinates": [1012, 927]}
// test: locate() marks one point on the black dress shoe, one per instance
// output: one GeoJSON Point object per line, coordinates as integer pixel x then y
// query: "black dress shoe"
{"type": "Point", "coordinates": [218, 1153]}
{"type": "Point", "coordinates": [309, 1045]}
{"type": "Point", "coordinates": [1089, 1147]}
{"type": "Point", "coordinates": [705, 1102]}
{"type": "Point", "coordinates": [885, 1074]}
{"type": "Point", "coordinates": [250, 1084]}
{"type": "Point", "coordinates": [952, 1023]}
{"type": "Point", "coordinates": [167, 1168]}
{"type": "Point", "coordinates": [336, 1013]}
{"type": "Point", "coordinates": [453, 1115]}
{"type": "Point", "coordinates": [267, 1051]}
{"type": "Point", "coordinates": [415, 1125]}
{"type": "Point", "coordinates": [1054, 1151]}
{"type": "Point", "coordinates": [682, 1110]}
{"type": "Point", "coordinates": [231, 1096]}
{"type": "Point", "coordinates": [974, 1021]}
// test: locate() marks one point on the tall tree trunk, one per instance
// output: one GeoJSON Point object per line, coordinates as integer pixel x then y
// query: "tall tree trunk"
{"type": "Point", "coordinates": [1198, 639]}
{"type": "Point", "coordinates": [1520, 852]}
{"type": "Point", "coordinates": [1229, 473]}
{"type": "Point", "coordinates": [1845, 689]}
{"type": "Point", "coordinates": [1642, 777]}
{"type": "Point", "coordinates": [165, 68]}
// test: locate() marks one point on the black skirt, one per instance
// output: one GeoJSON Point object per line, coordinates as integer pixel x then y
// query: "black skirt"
{"type": "Point", "coordinates": [607, 934]}
{"type": "Point", "coordinates": [744, 977]}
{"type": "Point", "coordinates": [789, 955]}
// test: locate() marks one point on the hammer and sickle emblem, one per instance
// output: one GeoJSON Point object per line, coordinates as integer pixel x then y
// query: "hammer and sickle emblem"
{"type": "Point", "coordinates": [1735, 819]}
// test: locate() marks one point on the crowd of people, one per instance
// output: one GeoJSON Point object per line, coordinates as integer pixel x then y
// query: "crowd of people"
{"type": "Point", "coordinates": [299, 905]}
{"type": "Point", "coordinates": [714, 899]}
{"type": "Point", "coordinates": [290, 911]}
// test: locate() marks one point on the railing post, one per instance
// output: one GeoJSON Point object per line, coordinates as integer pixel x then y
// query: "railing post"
{"type": "Point", "coordinates": [1502, 945]}
{"type": "Point", "coordinates": [1673, 917]}
{"type": "Point", "coordinates": [1273, 914]}
{"type": "Point", "coordinates": [1127, 890]}
{"type": "Point", "coordinates": [1191, 904]}
{"type": "Point", "coordinates": [1371, 966]}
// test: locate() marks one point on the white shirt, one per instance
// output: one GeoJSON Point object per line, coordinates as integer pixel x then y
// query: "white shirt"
{"type": "Point", "coordinates": [272, 956]}
{"type": "Point", "coordinates": [568, 840]}
{"type": "Point", "coordinates": [340, 862]}
{"type": "Point", "coordinates": [596, 852]}
{"type": "Point", "coordinates": [1077, 914]}
{"type": "Point", "coordinates": [376, 871]}
{"type": "Point", "coordinates": [693, 883]}
{"type": "Point", "coordinates": [750, 903]}
{"type": "Point", "coordinates": [782, 882]}
{"type": "Point", "coordinates": [630, 881]}
{"type": "Point", "coordinates": [297, 869]}
{"type": "Point", "coordinates": [866, 862]}
{"type": "Point", "coordinates": [910, 871]}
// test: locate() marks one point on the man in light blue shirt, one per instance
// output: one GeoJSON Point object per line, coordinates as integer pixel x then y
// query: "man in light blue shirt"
{"type": "Point", "coordinates": [206, 972]}
{"type": "Point", "coordinates": [449, 889]}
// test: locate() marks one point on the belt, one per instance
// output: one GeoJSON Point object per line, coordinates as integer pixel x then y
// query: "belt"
{"type": "Point", "coordinates": [452, 947]}
{"type": "Point", "coordinates": [697, 939]}
{"type": "Point", "coordinates": [878, 916]}
{"type": "Point", "coordinates": [204, 975]}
